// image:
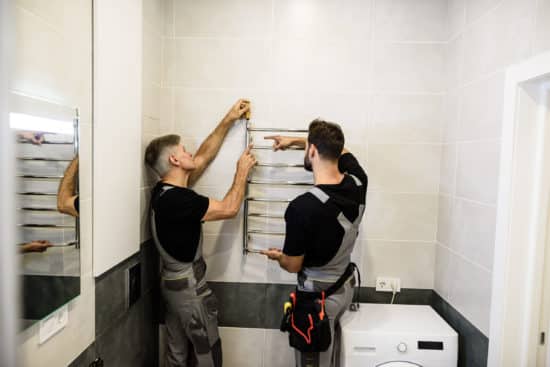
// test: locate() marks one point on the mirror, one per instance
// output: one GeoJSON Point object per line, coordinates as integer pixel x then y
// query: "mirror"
{"type": "Point", "coordinates": [47, 201]}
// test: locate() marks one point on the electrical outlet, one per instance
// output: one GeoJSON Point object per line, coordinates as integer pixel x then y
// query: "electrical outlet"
{"type": "Point", "coordinates": [387, 284]}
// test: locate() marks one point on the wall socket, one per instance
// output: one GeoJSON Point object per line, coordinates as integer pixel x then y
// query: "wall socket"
{"type": "Point", "coordinates": [388, 284]}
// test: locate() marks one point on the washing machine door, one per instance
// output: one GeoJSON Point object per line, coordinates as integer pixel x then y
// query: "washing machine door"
{"type": "Point", "coordinates": [398, 364]}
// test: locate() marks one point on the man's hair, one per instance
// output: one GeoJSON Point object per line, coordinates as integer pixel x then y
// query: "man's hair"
{"type": "Point", "coordinates": [327, 137]}
{"type": "Point", "coordinates": [157, 152]}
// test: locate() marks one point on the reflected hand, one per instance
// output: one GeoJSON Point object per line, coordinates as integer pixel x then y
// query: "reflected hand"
{"type": "Point", "coordinates": [34, 138]}
{"type": "Point", "coordinates": [273, 253]}
{"type": "Point", "coordinates": [238, 110]}
{"type": "Point", "coordinates": [36, 246]}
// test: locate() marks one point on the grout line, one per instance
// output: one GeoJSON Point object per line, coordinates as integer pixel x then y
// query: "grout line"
{"type": "Point", "coordinates": [480, 203]}
{"type": "Point", "coordinates": [52, 27]}
{"type": "Point", "coordinates": [534, 23]}
{"type": "Point", "coordinates": [402, 143]}
{"type": "Point", "coordinates": [471, 262]}
{"type": "Point", "coordinates": [422, 242]}
{"type": "Point", "coordinates": [173, 19]}
{"type": "Point", "coordinates": [481, 78]}
{"type": "Point", "coordinates": [477, 141]}
{"type": "Point", "coordinates": [398, 42]}
{"type": "Point", "coordinates": [480, 17]}
{"type": "Point", "coordinates": [419, 193]}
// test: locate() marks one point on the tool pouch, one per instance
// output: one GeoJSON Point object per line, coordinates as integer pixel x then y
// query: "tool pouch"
{"type": "Point", "coordinates": [307, 322]}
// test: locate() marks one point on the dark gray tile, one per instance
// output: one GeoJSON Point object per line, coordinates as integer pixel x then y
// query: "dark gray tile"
{"type": "Point", "coordinates": [259, 305]}
{"type": "Point", "coordinates": [110, 299]}
{"type": "Point", "coordinates": [41, 295]}
{"type": "Point", "coordinates": [149, 259]}
{"type": "Point", "coordinates": [473, 345]}
{"type": "Point", "coordinates": [276, 296]}
{"type": "Point", "coordinates": [407, 296]}
{"type": "Point", "coordinates": [240, 304]}
{"type": "Point", "coordinates": [85, 358]}
{"type": "Point", "coordinates": [133, 339]}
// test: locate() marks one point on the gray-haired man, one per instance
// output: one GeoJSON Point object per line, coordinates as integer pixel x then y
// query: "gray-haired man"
{"type": "Point", "coordinates": [177, 213]}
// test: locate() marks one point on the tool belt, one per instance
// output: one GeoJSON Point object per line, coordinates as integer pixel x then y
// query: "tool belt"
{"type": "Point", "coordinates": [306, 319]}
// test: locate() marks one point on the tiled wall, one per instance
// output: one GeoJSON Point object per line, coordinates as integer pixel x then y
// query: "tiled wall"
{"type": "Point", "coordinates": [484, 37]}
{"type": "Point", "coordinates": [53, 61]}
{"type": "Point", "coordinates": [151, 106]}
{"type": "Point", "coordinates": [374, 66]}
{"type": "Point", "coordinates": [125, 335]}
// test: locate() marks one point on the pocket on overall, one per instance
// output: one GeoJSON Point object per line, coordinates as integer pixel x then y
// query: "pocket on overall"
{"type": "Point", "coordinates": [308, 323]}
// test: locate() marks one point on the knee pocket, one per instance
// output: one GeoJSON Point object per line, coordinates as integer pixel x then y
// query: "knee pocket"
{"type": "Point", "coordinates": [199, 336]}
{"type": "Point", "coordinates": [204, 325]}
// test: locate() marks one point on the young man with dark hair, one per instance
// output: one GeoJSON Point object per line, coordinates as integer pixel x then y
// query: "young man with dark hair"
{"type": "Point", "coordinates": [177, 213]}
{"type": "Point", "coordinates": [323, 224]}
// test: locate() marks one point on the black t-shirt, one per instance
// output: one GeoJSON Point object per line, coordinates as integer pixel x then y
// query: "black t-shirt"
{"type": "Point", "coordinates": [312, 227]}
{"type": "Point", "coordinates": [178, 215]}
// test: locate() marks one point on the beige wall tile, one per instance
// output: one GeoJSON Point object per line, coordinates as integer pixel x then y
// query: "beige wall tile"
{"type": "Point", "coordinates": [412, 262]}
{"type": "Point", "coordinates": [230, 18]}
{"type": "Point", "coordinates": [325, 19]}
{"type": "Point", "coordinates": [411, 168]}
{"type": "Point", "coordinates": [401, 216]}
{"type": "Point", "coordinates": [403, 20]}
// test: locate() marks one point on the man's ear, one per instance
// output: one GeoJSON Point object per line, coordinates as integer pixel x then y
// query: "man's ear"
{"type": "Point", "coordinates": [173, 160]}
{"type": "Point", "coordinates": [312, 151]}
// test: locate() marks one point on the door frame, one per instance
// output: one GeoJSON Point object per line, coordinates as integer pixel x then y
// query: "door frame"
{"type": "Point", "coordinates": [521, 214]}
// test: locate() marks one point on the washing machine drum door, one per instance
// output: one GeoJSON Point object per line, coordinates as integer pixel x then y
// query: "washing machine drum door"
{"type": "Point", "coordinates": [399, 364]}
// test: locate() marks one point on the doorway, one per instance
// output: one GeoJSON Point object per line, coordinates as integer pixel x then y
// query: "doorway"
{"type": "Point", "coordinates": [521, 286]}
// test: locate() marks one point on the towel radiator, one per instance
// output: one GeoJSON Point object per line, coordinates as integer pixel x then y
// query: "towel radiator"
{"type": "Point", "coordinates": [249, 200]}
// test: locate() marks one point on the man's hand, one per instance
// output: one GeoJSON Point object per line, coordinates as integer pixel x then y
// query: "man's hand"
{"type": "Point", "coordinates": [36, 246]}
{"type": "Point", "coordinates": [273, 253]}
{"type": "Point", "coordinates": [285, 142]}
{"type": "Point", "coordinates": [246, 162]}
{"type": "Point", "coordinates": [34, 138]}
{"type": "Point", "coordinates": [241, 107]}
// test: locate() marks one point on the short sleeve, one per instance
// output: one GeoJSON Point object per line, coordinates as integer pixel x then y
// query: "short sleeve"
{"type": "Point", "coordinates": [295, 238]}
{"type": "Point", "coordinates": [349, 164]}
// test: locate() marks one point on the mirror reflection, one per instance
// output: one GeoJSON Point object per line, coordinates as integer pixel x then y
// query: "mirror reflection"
{"type": "Point", "coordinates": [47, 204]}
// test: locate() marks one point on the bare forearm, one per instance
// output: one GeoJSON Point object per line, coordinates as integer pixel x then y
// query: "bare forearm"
{"type": "Point", "coordinates": [235, 195]}
{"type": "Point", "coordinates": [209, 149]}
{"type": "Point", "coordinates": [68, 182]}
{"type": "Point", "coordinates": [297, 142]}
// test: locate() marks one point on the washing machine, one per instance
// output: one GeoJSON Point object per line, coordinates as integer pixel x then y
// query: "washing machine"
{"type": "Point", "coordinates": [383, 335]}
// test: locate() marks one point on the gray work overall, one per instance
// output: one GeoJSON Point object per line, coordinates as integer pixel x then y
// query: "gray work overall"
{"type": "Point", "coordinates": [191, 309]}
{"type": "Point", "coordinates": [316, 279]}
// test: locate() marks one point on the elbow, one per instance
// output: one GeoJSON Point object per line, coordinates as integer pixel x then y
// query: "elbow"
{"type": "Point", "coordinates": [60, 206]}
{"type": "Point", "coordinates": [231, 212]}
{"type": "Point", "coordinates": [291, 268]}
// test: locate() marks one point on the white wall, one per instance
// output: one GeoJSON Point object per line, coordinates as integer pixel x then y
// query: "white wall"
{"type": "Point", "coordinates": [483, 39]}
{"type": "Point", "coordinates": [53, 61]}
{"type": "Point", "coordinates": [118, 30]}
